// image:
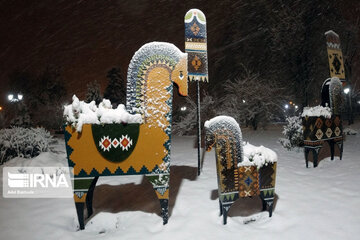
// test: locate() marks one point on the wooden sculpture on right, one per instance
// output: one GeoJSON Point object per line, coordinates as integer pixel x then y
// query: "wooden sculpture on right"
{"type": "Point", "coordinates": [323, 124]}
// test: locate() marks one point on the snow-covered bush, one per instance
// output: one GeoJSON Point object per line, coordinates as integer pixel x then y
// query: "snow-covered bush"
{"type": "Point", "coordinates": [23, 142]}
{"type": "Point", "coordinates": [185, 123]}
{"type": "Point", "coordinates": [252, 99]}
{"type": "Point", "coordinates": [293, 133]}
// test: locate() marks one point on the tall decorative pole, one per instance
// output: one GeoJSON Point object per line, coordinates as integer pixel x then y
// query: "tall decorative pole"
{"type": "Point", "coordinates": [335, 57]}
{"type": "Point", "coordinates": [196, 48]}
{"type": "Point", "coordinates": [336, 63]}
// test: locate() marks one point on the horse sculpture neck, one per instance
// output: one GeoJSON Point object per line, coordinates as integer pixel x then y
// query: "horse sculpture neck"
{"type": "Point", "coordinates": [152, 70]}
{"type": "Point", "coordinates": [225, 133]}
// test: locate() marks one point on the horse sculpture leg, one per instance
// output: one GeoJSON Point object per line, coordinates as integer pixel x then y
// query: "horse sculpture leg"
{"type": "Point", "coordinates": [225, 201]}
{"type": "Point", "coordinates": [83, 187]}
{"type": "Point", "coordinates": [89, 197]}
{"type": "Point", "coordinates": [225, 210]}
{"type": "Point", "coordinates": [160, 184]}
{"type": "Point", "coordinates": [267, 176]}
{"type": "Point", "coordinates": [221, 210]}
{"type": "Point", "coordinates": [332, 148]}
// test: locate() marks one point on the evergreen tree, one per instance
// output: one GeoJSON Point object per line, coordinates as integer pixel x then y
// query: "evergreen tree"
{"type": "Point", "coordinates": [22, 117]}
{"type": "Point", "coordinates": [93, 92]}
{"type": "Point", "coordinates": [115, 91]}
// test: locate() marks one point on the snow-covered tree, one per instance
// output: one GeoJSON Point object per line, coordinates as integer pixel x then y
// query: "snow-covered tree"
{"type": "Point", "coordinates": [93, 92]}
{"type": "Point", "coordinates": [116, 89]}
{"type": "Point", "coordinates": [251, 99]}
{"type": "Point", "coordinates": [22, 117]}
{"type": "Point", "coordinates": [293, 133]}
{"type": "Point", "coordinates": [185, 122]}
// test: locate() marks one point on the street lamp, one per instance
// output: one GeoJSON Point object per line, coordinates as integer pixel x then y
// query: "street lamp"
{"type": "Point", "coordinates": [17, 98]}
{"type": "Point", "coordinates": [286, 106]}
{"type": "Point", "coordinates": [346, 90]}
{"type": "Point", "coordinates": [183, 109]}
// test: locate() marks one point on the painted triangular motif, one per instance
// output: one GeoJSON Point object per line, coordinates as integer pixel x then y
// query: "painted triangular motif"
{"type": "Point", "coordinates": [161, 190]}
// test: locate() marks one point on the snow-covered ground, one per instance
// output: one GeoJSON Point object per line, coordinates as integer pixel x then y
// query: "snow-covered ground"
{"type": "Point", "coordinates": [311, 203]}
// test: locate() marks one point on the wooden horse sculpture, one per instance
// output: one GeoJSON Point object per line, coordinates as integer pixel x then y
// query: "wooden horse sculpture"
{"type": "Point", "coordinates": [238, 176]}
{"type": "Point", "coordinates": [319, 130]}
{"type": "Point", "coordinates": [132, 149]}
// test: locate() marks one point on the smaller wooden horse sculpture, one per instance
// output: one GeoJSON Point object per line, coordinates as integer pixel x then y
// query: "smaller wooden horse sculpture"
{"type": "Point", "coordinates": [239, 175]}
{"type": "Point", "coordinates": [319, 129]}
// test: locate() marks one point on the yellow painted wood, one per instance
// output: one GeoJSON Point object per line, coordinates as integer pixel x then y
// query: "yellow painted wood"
{"type": "Point", "coordinates": [332, 52]}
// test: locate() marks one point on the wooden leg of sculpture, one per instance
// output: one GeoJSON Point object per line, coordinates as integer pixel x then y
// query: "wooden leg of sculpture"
{"type": "Point", "coordinates": [263, 203]}
{"type": "Point", "coordinates": [225, 209]}
{"type": "Point", "coordinates": [267, 203]}
{"type": "Point", "coordinates": [332, 150]}
{"type": "Point", "coordinates": [270, 204]}
{"type": "Point", "coordinates": [81, 188]}
{"type": "Point", "coordinates": [161, 186]}
{"type": "Point", "coordinates": [306, 152]}
{"type": "Point", "coordinates": [220, 205]}
{"type": "Point", "coordinates": [267, 176]}
{"type": "Point", "coordinates": [341, 147]}
{"type": "Point", "coordinates": [315, 152]}
{"type": "Point", "coordinates": [89, 197]}
{"type": "Point", "coordinates": [80, 214]}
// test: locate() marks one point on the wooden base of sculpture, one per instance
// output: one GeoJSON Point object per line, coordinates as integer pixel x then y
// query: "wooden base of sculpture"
{"type": "Point", "coordinates": [318, 131]}
{"type": "Point", "coordinates": [251, 182]}
{"type": "Point", "coordinates": [310, 147]}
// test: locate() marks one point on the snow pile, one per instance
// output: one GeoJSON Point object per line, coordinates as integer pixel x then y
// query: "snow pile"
{"type": "Point", "coordinates": [257, 156]}
{"type": "Point", "coordinates": [316, 111]}
{"type": "Point", "coordinates": [222, 120]}
{"type": "Point", "coordinates": [79, 113]}
{"type": "Point", "coordinates": [349, 131]}
{"type": "Point", "coordinates": [23, 142]}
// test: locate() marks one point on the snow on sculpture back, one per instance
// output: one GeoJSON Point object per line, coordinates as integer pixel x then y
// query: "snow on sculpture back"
{"type": "Point", "coordinates": [129, 149]}
{"type": "Point", "coordinates": [239, 175]}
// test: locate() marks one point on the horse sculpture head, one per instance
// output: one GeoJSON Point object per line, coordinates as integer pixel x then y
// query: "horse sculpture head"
{"type": "Point", "coordinates": [146, 64]}
{"type": "Point", "coordinates": [179, 75]}
{"type": "Point", "coordinates": [209, 138]}
{"type": "Point", "coordinates": [223, 129]}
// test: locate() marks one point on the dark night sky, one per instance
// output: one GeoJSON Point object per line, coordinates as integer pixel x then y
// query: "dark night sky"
{"type": "Point", "coordinates": [87, 38]}
{"type": "Point", "coordinates": [84, 39]}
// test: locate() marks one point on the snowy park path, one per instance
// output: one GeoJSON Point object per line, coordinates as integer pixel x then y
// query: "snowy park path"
{"type": "Point", "coordinates": [311, 203]}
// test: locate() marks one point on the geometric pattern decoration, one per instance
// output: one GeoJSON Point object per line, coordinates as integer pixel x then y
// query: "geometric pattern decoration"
{"type": "Point", "coordinates": [319, 134]}
{"type": "Point", "coordinates": [132, 149]}
{"type": "Point", "coordinates": [336, 61]}
{"type": "Point", "coordinates": [315, 137]}
{"type": "Point", "coordinates": [196, 45]}
{"type": "Point", "coordinates": [248, 181]}
{"type": "Point", "coordinates": [337, 131]}
{"type": "Point", "coordinates": [321, 128]}
{"type": "Point", "coordinates": [234, 181]}
{"type": "Point", "coordinates": [115, 142]}
{"type": "Point", "coordinates": [328, 132]}
{"type": "Point", "coordinates": [335, 57]}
